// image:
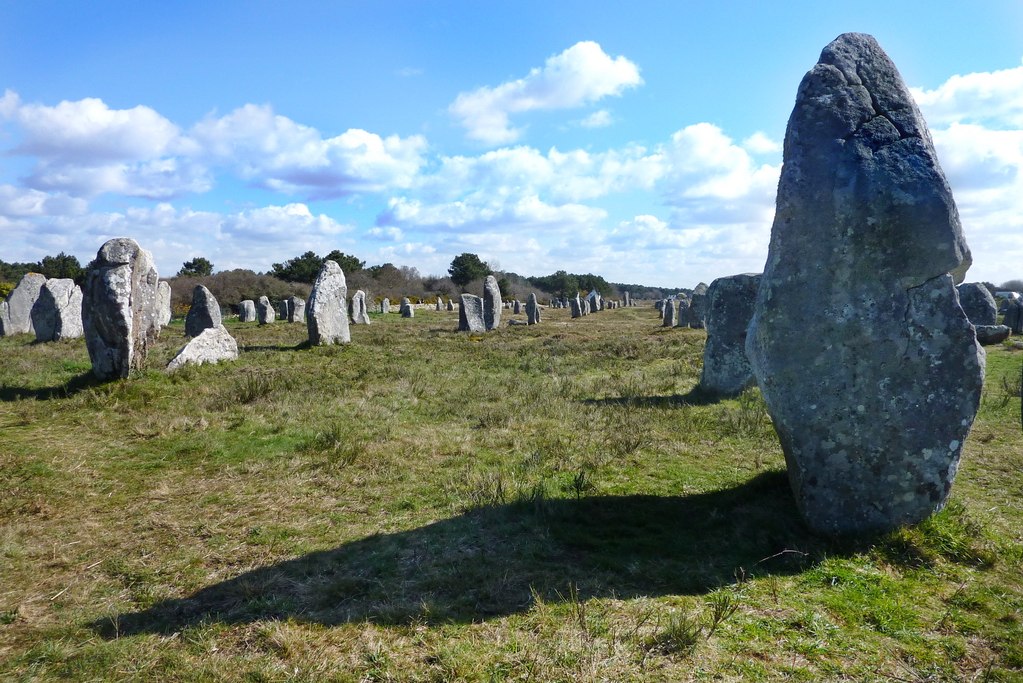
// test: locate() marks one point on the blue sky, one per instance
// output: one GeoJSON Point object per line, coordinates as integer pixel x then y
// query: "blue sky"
{"type": "Point", "coordinates": [639, 141]}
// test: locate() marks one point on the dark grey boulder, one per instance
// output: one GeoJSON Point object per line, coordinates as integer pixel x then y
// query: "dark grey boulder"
{"type": "Point", "coordinates": [870, 369]}
{"type": "Point", "coordinates": [57, 312]}
{"type": "Point", "coordinates": [16, 310]}
{"type": "Point", "coordinates": [978, 303]}
{"type": "Point", "coordinates": [491, 303]}
{"type": "Point", "coordinates": [119, 308]}
{"type": "Point", "coordinates": [327, 310]}
{"type": "Point", "coordinates": [204, 312]}
{"type": "Point", "coordinates": [451, 305]}
{"type": "Point", "coordinates": [470, 314]}
{"type": "Point", "coordinates": [730, 303]}
{"type": "Point", "coordinates": [991, 334]}
{"type": "Point", "coordinates": [1013, 317]}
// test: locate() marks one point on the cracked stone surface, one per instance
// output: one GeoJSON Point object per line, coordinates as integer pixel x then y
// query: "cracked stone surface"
{"type": "Point", "coordinates": [470, 314]}
{"type": "Point", "coordinates": [870, 369]}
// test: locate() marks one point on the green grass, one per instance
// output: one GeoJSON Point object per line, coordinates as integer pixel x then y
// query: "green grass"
{"type": "Point", "coordinates": [549, 503]}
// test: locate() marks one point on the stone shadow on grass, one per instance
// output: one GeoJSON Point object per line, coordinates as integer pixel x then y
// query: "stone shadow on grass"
{"type": "Point", "coordinates": [490, 561]}
{"type": "Point", "coordinates": [694, 397]}
{"type": "Point", "coordinates": [74, 385]}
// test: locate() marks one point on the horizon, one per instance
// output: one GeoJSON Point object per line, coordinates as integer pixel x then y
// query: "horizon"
{"type": "Point", "coordinates": [641, 144]}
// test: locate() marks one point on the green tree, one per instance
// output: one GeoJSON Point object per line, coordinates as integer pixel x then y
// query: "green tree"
{"type": "Point", "coordinates": [62, 266]}
{"type": "Point", "coordinates": [348, 263]}
{"type": "Point", "coordinates": [197, 267]}
{"type": "Point", "coordinates": [302, 268]}
{"type": "Point", "coordinates": [467, 267]}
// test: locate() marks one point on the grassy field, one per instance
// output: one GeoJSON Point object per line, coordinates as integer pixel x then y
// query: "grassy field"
{"type": "Point", "coordinates": [551, 503]}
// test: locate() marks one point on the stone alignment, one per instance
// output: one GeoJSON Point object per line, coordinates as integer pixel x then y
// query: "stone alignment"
{"type": "Point", "coordinates": [204, 312]}
{"type": "Point", "coordinates": [119, 308]}
{"type": "Point", "coordinates": [327, 310]}
{"type": "Point", "coordinates": [730, 303]}
{"type": "Point", "coordinates": [16, 311]}
{"type": "Point", "coordinates": [57, 312]}
{"type": "Point", "coordinates": [869, 368]}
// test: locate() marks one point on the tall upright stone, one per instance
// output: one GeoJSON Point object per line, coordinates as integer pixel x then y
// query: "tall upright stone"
{"type": "Point", "coordinates": [204, 312]}
{"type": "Point", "coordinates": [698, 307]}
{"type": "Point", "coordinates": [626, 299]}
{"type": "Point", "coordinates": [668, 313]}
{"type": "Point", "coordinates": [405, 308]}
{"type": "Point", "coordinates": [360, 314]}
{"type": "Point", "coordinates": [577, 306]}
{"type": "Point", "coordinates": [491, 303]}
{"type": "Point", "coordinates": [57, 312]}
{"type": "Point", "coordinates": [247, 311]}
{"type": "Point", "coordinates": [451, 305]}
{"type": "Point", "coordinates": [439, 306]}
{"type": "Point", "coordinates": [163, 305]}
{"type": "Point", "coordinates": [682, 314]}
{"type": "Point", "coordinates": [327, 311]}
{"type": "Point", "coordinates": [532, 310]}
{"type": "Point", "coordinates": [119, 308]}
{"type": "Point", "coordinates": [470, 314]}
{"type": "Point", "coordinates": [296, 309]}
{"type": "Point", "coordinates": [730, 303]}
{"type": "Point", "coordinates": [265, 313]}
{"type": "Point", "coordinates": [16, 310]}
{"type": "Point", "coordinates": [868, 365]}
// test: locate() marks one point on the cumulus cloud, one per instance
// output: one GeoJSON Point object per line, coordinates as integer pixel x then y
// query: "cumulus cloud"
{"type": "Point", "coordinates": [524, 213]}
{"type": "Point", "coordinates": [994, 97]}
{"type": "Point", "coordinates": [598, 119]}
{"type": "Point", "coordinates": [760, 143]}
{"type": "Point", "coordinates": [580, 75]}
{"type": "Point", "coordinates": [280, 154]}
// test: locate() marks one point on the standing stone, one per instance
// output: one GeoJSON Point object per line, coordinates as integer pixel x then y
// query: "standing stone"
{"type": "Point", "coordinates": [360, 314]}
{"type": "Point", "coordinates": [869, 368]}
{"type": "Point", "coordinates": [163, 305]}
{"type": "Point", "coordinates": [406, 309]}
{"type": "Point", "coordinates": [470, 314]}
{"type": "Point", "coordinates": [730, 303]}
{"type": "Point", "coordinates": [284, 310]}
{"type": "Point", "coordinates": [57, 312]}
{"type": "Point", "coordinates": [385, 306]}
{"type": "Point", "coordinates": [626, 299]}
{"type": "Point", "coordinates": [247, 311]}
{"type": "Point", "coordinates": [577, 306]}
{"type": "Point", "coordinates": [265, 311]}
{"type": "Point", "coordinates": [204, 313]}
{"type": "Point", "coordinates": [296, 309]}
{"type": "Point", "coordinates": [16, 311]}
{"type": "Point", "coordinates": [1013, 317]}
{"type": "Point", "coordinates": [668, 313]}
{"type": "Point", "coordinates": [439, 306]}
{"type": "Point", "coordinates": [698, 307]}
{"type": "Point", "coordinates": [212, 345]}
{"type": "Point", "coordinates": [327, 310]}
{"type": "Point", "coordinates": [532, 310]}
{"type": "Point", "coordinates": [978, 303]}
{"type": "Point", "coordinates": [451, 305]}
{"type": "Point", "coordinates": [682, 314]}
{"type": "Point", "coordinates": [119, 308]}
{"type": "Point", "coordinates": [491, 303]}
{"type": "Point", "coordinates": [594, 300]}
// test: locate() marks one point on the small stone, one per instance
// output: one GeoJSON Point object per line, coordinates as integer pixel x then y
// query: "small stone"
{"type": "Point", "coordinates": [212, 345]}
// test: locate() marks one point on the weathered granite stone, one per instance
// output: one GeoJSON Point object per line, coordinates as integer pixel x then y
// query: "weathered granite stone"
{"type": "Point", "coordinates": [212, 345]}
{"type": "Point", "coordinates": [532, 310]}
{"type": "Point", "coordinates": [296, 309]}
{"type": "Point", "coordinates": [247, 311]}
{"type": "Point", "coordinates": [385, 306]}
{"type": "Point", "coordinates": [360, 314]}
{"type": "Point", "coordinates": [57, 312]}
{"type": "Point", "coordinates": [668, 313]}
{"type": "Point", "coordinates": [682, 315]}
{"type": "Point", "coordinates": [470, 314]}
{"type": "Point", "coordinates": [698, 307]}
{"type": "Point", "coordinates": [595, 301]}
{"type": "Point", "coordinates": [406, 309]}
{"type": "Point", "coordinates": [978, 303]}
{"type": "Point", "coordinates": [730, 302]}
{"type": "Point", "coordinates": [163, 303]}
{"type": "Point", "coordinates": [992, 334]}
{"type": "Point", "coordinates": [16, 311]}
{"type": "Point", "coordinates": [327, 310]}
{"type": "Point", "coordinates": [870, 370]}
{"type": "Point", "coordinates": [491, 303]}
{"type": "Point", "coordinates": [204, 313]}
{"type": "Point", "coordinates": [265, 313]}
{"type": "Point", "coordinates": [577, 306]}
{"type": "Point", "coordinates": [119, 308]}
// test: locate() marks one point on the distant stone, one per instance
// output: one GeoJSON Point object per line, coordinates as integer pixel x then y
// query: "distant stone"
{"type": "Point", "coordinates": [284, 309]}
{"type": "Point", "coordinates": [247, 311]}
{"type": "Point", "coordinates": [296, 309]}
{"type": "Point", "coordinates": [1013, 317]}
{"type": "Point", "coordinates": [406, 309]}
{"type": "Point", "coordinates": [992, 334]}
{"type": "Point", "coordinates": [730, 303]}
{"type": "Point", "coordinates": [516, 307]}
{"type": "Point", "coordinates": [682, 314]}
{"type": "Point", "coordinates": [327, 310]}
{"type": "Point", "coordinates": [532, 310]}
{"type": "Point", "coordinates": [698, 307]}
{"type": "Point", "coordinates": [204, 313]}
{"type": "Point", "coordinates": [627, 299]}
{"type": "Point", "coordinates": [871, 371]}
{"type": "Point", "coordinates": [668, 313]}
{"type": "Point", "coordinates": [57, 312]}
{"type": "Point", "coordinates": [119, 308]}
{"type": "Point", "coordinates": [265, 313]}
{"type": "Point", "coordinates": [163, 305]}
{"type": "Point", "coordinates": [451, 305]}
{"type": "Point", "coordinates": [212, 345]}
{"type": "Point", "coordinates": [439, 306]}
{"type": "Point", "coordinates": [978, 303]}
{"type": "Point", "coordinates": [577, 306]}
{"type": "Point", "coordinates": [385, 306]}
{"type": "Point", "coordinates": [491, 303]}
{"type": "Point", "coordinates": [16, 311]}
{"type": "Point", "coordinates": [470, 314]}
{"type": "Point", "coordinates": [360, 314]}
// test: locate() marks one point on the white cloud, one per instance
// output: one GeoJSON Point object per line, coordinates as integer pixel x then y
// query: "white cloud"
{"type": "Point", "coordinates": [390, 234]}
{"type": "Point", "coordinates": [525, 213]}
{"type": "Point", "coordinates": [760, 143]}
{"type": "Point", "coordinates": [995, 98]}
{"type": "Point", "coordinates": [16, 202]}
{"type": "Point", "coordinates": [598, 119]}
{"type": "Point", "coordinates": [580, 75]}
{"type": "Point", "coordinates": [278, 153]}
